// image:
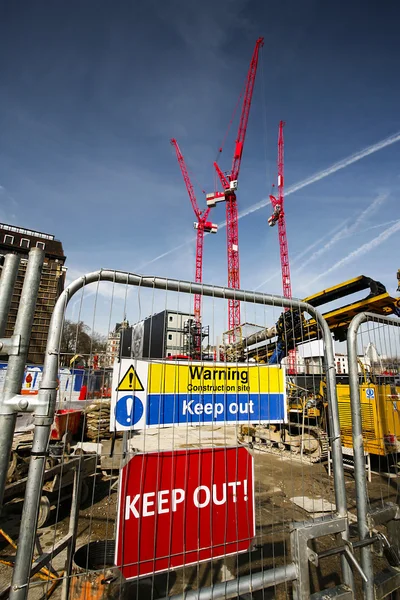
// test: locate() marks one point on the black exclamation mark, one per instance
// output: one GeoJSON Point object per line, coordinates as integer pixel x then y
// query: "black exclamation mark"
{"type": "Point", "coordinates": [131, 380]}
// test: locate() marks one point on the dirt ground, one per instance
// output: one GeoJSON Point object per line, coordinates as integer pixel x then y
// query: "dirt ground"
{"type": "Point", "coordinates": [286, 490]}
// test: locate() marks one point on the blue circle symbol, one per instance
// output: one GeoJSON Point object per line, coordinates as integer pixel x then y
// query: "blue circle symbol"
{"type": "Point", "coordinates": [129, 410]}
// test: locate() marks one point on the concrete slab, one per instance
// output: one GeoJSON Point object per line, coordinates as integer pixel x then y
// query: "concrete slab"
{"type": "Point", "coordinates": [170, 438]}
{"type": "Point", "coordinates": [88, 447]}
{"type": "Point", "coordinates": [315, 506]}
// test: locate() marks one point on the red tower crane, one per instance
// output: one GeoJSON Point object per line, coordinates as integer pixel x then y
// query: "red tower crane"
{"type": "Point", "coordinates": [278, 216]}
{"type": "Point", "coordinates": [229, 182]}
{"type": "Point", "coordinates": [202, 225]}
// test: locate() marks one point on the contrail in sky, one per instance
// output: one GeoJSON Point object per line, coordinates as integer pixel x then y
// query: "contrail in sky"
{"type": "Point", "coordinates": [362, 249]}
{"type": "Point", "coordinates": [167, 253]}
{"type": "Point", "coordinates": [379, 225]}
{"type": "Point", "coordinates": [342, 164]}
{"type": "Point", "coordinates": [346, 231]}
{"type": "Point", "coordinates": [304, 252]}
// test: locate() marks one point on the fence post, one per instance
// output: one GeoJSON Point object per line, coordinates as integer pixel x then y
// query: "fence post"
{"type": "Point", "coordinates": [16, 363]}
{"type": "Point", "coordinates": [336, 444]}
{"type": "Point", "coordinates": [358, 446]}
{"type": "Point", "coordinates": [7, 282]}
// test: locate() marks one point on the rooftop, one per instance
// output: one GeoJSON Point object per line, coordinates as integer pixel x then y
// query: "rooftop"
{"type": "Point", "coordinates": [45, 236]}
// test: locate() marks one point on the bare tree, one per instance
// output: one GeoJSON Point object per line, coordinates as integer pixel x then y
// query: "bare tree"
{"type": "Point", "coordinates": [77, 338]}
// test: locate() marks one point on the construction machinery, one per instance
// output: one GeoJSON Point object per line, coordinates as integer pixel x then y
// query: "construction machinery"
{"type": "Point", "coordinates": [229, 182]}
{"type": "Point", "coordinates": [278, 216]}
{"type": "Point", "coordinates": [306, 432]}
{"type": "Point", "coordinates": [380, 415]}
{"type": "Point", "coordinates": [202, 226]}
{"type": "Point", "coordinates": [293, 329]}
{"type": "Point", "coordinates": [77, 362]}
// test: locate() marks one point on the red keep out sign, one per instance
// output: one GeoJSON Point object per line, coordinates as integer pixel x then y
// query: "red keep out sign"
{"type": "Point", "coordinates": [181, 507]}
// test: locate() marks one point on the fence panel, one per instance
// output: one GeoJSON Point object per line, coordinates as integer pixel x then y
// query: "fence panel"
{"type": "Point", "coordinates": [166, 475]}
{"type": "Point", "coordinates": [374, 369]}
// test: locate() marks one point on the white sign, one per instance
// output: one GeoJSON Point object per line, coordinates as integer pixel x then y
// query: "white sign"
{"type": "Point", "coordinates": [165, 393]}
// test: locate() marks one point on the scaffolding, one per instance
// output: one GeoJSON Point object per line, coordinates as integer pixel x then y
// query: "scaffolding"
{"type": "Point", "coordinates": [51, 286]}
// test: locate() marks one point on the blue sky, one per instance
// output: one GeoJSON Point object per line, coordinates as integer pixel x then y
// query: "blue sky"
{"type": "Point", "coordinates": [92, 92]}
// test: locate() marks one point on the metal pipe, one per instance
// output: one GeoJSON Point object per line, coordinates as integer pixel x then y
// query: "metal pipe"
{"type": "Point", "coordinates": [336, 444]}
{"type": "Point", "coordinates": [7, 282]}
{"type": "Point", "coordinates": [26, 541]}
{"type": "Point", "coordinates": [243, 585]}
{"type": "Point", "coordinates": [16, 363]}
{"type": "Point", "coordinates": [73, 528]}
{"type": "Point", "coordinates": [358, 445]}
{"type": "Point", "coordinates": [47, 397]}
{"type": "Point", "coordinates": [355, 564]}
{"type": "Point", "coordinates": [340, 549]}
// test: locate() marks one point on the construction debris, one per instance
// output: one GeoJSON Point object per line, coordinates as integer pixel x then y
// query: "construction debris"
{"type": "Point", "coordinates": [97, 420]}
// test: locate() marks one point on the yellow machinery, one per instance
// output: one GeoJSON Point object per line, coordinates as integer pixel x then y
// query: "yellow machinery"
{"type": "Point", "coordinates": [380, 414]}
{"type": "Point", "coordinates": [293, 329]}
{"type": "Point", "coordinates": [77, 361]}
{"type": "Point", "coordinates": [305, 433]}
{"type": "Point", "coordinates": [306, 430]}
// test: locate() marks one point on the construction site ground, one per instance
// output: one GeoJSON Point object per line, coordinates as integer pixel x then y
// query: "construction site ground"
{"type": "Point", "coordinates": [286, 490]}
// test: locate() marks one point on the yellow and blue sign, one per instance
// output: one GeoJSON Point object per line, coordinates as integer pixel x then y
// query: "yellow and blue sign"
{"type": "Point", "coordinates": [164, 394]}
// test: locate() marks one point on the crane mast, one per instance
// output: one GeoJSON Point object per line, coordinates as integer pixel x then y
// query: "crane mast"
{"type": "Point", "coordinates": [229, 184]}
{"type": "Point", "coordinates": [202, 225]}
{"type": "Point", "coordinates": [278, 216]}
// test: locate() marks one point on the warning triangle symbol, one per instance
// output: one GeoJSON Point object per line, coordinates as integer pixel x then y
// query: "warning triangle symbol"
{"type": "Point", "coordinates": [130, 382]}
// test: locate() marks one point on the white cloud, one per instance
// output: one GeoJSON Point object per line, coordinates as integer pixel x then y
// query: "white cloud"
{"type": "Point", "coordinates": [364, 249]}
{"type": "Point", "coordinates": [342, 164]}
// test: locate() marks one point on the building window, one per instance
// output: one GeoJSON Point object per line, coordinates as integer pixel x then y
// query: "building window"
{"type": "Point", "coordinates": [24, 243]}
{"type": "Point", "coordinates": [170, 336]}
{"type": "Point", "coordinates": [40, 245]}
{"type": "Point", "coordinates": [8, 239]}
{"type": "Point", "coordinates": [171, 318]}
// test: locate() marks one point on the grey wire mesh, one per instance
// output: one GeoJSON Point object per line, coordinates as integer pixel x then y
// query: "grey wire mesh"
{"type": "Point", "coordinates": [286, 466]}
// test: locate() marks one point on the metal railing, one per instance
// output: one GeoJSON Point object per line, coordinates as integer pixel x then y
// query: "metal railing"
{"type": "Point", "coordinates": [373, 588]}
{"type": "Point", "coordinates": [296, 567]}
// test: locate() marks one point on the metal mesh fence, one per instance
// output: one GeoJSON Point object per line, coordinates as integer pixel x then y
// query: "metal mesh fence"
{"type": "Point", "coordinates": [373, 348]}
{"type": "Point", "coordinates": [185, 458]}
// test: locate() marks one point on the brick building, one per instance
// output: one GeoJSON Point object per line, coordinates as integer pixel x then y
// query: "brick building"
{"type": "Point", "coordinates": [114, 342]}
{"type": "Point", "coordinates": [17, 240]}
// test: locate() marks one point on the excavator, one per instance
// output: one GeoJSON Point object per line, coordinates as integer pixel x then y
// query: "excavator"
{"type": "Point", "coordinates": [306, 432]}
{"type": "Point", "coordinates": [77, 362]}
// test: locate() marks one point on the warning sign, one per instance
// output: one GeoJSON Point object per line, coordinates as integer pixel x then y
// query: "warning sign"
{"type": "Point", "coordinates": [182, 507]}
{"type": "Point", "coordinates": [130, 382]}
{"type": "Point", "coordinates": [163, 394]}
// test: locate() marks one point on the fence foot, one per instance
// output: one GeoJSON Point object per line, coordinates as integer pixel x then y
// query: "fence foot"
{"type": "Point", "coordinates": [301, 534]}
{"type": "Point", "coordinates": [386, 582]}
{"type": "Point", "coordinates": [340, 592]}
